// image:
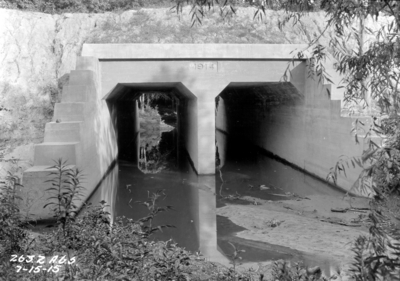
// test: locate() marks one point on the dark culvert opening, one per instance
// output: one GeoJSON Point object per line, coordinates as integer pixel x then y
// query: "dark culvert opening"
{"type": "Point", "coordinates": [146, 124]}
{"type": "Point", "coordinates": [241, 109]}
{"type": "Point", "coordinates": [151, 118]}
{"type": "Point", "coordinates": [147, 131]}
{"type": "Point", "coordinates": [252, 123]}
{"type": "Point", "coordinates": [150, 123]}
{"type": "Point", "coordinates": [246, 105]}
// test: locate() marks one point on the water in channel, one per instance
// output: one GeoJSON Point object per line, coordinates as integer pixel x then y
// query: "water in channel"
{"type": "Point", "coordinates": [163, 165]}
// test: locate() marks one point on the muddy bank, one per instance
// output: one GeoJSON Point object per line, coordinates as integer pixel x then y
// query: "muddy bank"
{"type": "Point", "coordinates": [304, 225]}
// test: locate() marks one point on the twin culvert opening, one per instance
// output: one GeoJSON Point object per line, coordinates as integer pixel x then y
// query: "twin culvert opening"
{"type": "Point", "coordinates": [154, 123]}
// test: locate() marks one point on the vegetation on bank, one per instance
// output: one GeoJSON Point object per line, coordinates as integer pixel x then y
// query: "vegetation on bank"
{"type": "Point", "coordinates": [17, 109]}
{"type": "Point", "coordinates": [89, 247]}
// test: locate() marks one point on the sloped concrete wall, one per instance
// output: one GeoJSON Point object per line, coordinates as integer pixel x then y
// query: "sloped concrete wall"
{"type": "Point", "coordinates": [102, 150]}
{"type": "Point", "coordinates": [221, 130]}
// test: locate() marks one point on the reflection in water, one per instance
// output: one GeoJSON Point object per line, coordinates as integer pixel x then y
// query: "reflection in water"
{"type": "Point", "coordinates": [191, 197]}
{"type": "Point", "coordinates": [136, 186]}
{"type": "Point", "coordinates": [107, 190]}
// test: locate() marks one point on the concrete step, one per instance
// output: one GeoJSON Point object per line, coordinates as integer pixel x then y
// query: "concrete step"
{"type": "Point", "coordinates": [46, 153]}
{"type": "Point", "coordinates": [71, 111]}
{"type": "Point", "coordinates": [87, 63]}
{"type": "Point", "coordinates": [78, 93]}
{"type": "Point", "coordinates": [82, 77]}
{"type": "Point", "coordinates": [63, 132]}
{"type": "Point", "coordinates": [34, 193]}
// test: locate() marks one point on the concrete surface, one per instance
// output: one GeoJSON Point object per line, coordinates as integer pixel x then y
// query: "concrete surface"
{"type": "Point", "coordinates": [191, 51]}
{"type": "Point", "coordinates": [138, 65]}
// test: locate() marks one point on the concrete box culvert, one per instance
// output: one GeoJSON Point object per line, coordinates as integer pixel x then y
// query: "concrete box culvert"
{"type": "Point", "coordinates": [307, 134]}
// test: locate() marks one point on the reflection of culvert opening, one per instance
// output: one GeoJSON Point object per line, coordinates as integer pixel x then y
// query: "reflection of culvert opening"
{"type": "Point", "coordinates": [149, 124]}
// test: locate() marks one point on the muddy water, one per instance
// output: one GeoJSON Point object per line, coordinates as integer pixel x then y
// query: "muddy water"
{"type": "Point", "coordinates": [250, 171]}
{"type": "Point", "coordinates": [163, 165]}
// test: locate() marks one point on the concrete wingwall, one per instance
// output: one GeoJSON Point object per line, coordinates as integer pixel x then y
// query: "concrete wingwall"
{"type": "Point", "coordinates": [82, 134]}
{"type": "Point", "coordinates": [101, 152]}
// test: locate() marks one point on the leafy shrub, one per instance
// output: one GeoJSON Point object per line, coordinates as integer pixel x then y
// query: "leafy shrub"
{"type": "Point", "coordinates": [65, 190]}
{"type": "Point", "coordinates": [377, 257]}
{"type": "Point", "coordinates": [12, 233]}
{"type": "Point", "coordinates": [283, 272]}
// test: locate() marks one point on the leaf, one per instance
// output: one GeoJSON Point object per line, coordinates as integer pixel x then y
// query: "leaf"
{"type": "Point", "coordinates": [234, 247]}
{"type": "Point", "coordinates": [368, 155]}
{"type": "Point", "coordinates": [329, 92]}
{"type": "Point", "coordinates": [49, 204]}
